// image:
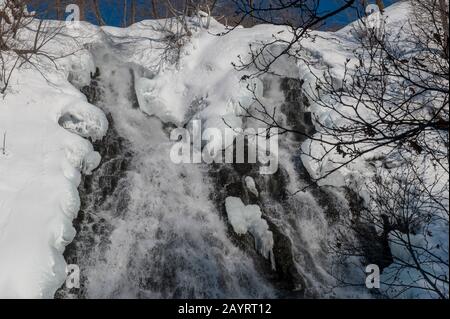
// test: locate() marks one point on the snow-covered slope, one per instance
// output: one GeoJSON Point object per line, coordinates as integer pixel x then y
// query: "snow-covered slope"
{"type": "Point", "coordinates": [40, 173]}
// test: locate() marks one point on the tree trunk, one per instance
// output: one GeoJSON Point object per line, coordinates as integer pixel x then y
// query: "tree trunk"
{"type": "Point", "coordinates": [98, 13]}
{"type": "Point", "coordinates": [443, 11]}
{"type": "Point", "coordinates": [380, 5]}
{"type": "Point", "coordinates": [59, 10]}
{"type": "Point", "coordinates": [125, 13]}
{"type": "Point", "coordinates": [212, 6]}
{"type": "Point", "coordinates": [82, 5]}
{"type": "Point", "coordinates": [133, 12]}
{"type": "Point", "coordinates": [154, 10]}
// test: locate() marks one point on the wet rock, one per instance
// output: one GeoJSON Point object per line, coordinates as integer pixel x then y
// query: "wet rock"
{"type": "Point", "coordinates": [372, 245]}
{"type": "Point", "coordinates": [284, 261]}
{"type": "Point", "coordinates": [246, 167]}
{"type": "Point", "coordinates": [168, 127]}
{"type": "Point", "coordinates": [93, 91]}
{"type": "Point", "coordinates": [132, 93]}
{"type": "Point", "coordinates": [274, 185]}
{"type": "Point", "coordinates": [235, 189]}
{"type": "Point", "coordinates": [295, 108]}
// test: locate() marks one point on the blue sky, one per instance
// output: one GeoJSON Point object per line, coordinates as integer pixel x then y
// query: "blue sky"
{"type": "Point", "coordinates": [347, 16]}
{"type": "Point", "coordinates": [113, 16]}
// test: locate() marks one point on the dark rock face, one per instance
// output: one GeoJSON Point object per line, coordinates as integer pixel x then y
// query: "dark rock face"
{"type": "Point", "coordinates": [92, 91]}
{"type": "Point", "coordinates": [115, 160]}
{"type": "Point", "coordinates": [133, 96]}
{"type": "Point", "coordinates": [286, 269]}
{"type": "Point", "coordinates": [295, 108]}
{"type": "Point", "coordinates": [373, 246]}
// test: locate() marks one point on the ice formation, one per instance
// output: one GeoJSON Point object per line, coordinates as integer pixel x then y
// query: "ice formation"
{"type": "Point", "coordinates": [248, 218]}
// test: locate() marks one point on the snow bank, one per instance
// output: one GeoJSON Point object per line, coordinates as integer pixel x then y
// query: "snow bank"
{"type": "Point", "coordinates": [155, 97]}
{"type": "Point", "coordinates": [46, 123]}
{"type": "Point", "coordinates": [204, 85]}
{"type": "Point", "coordinates": [245, 219]}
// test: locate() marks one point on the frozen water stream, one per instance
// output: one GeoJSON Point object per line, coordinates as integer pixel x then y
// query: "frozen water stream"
{"type": "Point", "coordinates": [149, 228]}
{"type": "Point", "coordinates": [157, 234]}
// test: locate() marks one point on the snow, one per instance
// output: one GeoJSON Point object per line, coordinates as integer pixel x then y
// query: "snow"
{"type": "Point", "coordinates": [39, 176]}
{"type": "Point", "coordinates": [393, 20]}
{"type": "Point", "coordinates": [151, 99]}
{"type": "Point", "coordinates": [248, 218]}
